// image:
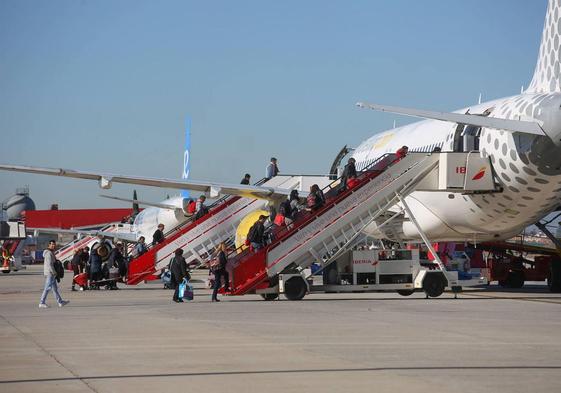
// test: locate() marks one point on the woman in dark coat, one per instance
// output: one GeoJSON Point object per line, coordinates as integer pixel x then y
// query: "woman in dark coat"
{"type": "Point", "coordinates": [220, 272]}
{"type": "Point", "coordinates": [178, 269]}
{"type": "Point", "coordinates": [95, 267]}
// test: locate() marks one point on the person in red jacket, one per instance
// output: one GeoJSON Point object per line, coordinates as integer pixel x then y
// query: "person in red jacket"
{"type": "Point", "coordinates": [401, 152]}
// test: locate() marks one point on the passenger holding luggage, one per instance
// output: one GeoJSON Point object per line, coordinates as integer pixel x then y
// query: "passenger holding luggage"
{"type": "Point", "coordinates": [178, 269]}
{"type": "Point", "coordinates": [77, 265]}
{"type": "Point", "coordinates": [349, 175]}
{"type": "Point", "coordinates": [140, 247]}
{"type": "Point", "coordinates": [201, 209]}
{"type": "Point", "coordinates": [158, 236]}
{"type": "Point", "coordinates": [116, 260]}
{"type": "Point", "coordinates": [246, 179]}
{"type": "Point", "coordinates": [220, 271]}
{"type": "Point", "coordinates": [50, 277]}
{"type": "Point", "coordinates": [256, 233]}
{"type": "Point", "coordinates": [272, 169]}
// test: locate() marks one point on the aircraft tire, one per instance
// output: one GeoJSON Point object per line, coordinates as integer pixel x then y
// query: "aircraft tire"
{"type": "Point", "coordinates": [406, 292]}
{"type": "Point", "coordinates": [269, 296]}
{"type": "Point", "coordinates": [6, 271]}
{"type": "Point", "coordinates": [434, 284]}
{"type": "Point", "coordinates": [515, 280]}
{"type": "Point", "coordinates": [295, 288]}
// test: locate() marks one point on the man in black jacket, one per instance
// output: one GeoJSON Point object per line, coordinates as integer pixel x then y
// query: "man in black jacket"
{"type": "Point", "coordinates": [178, 268]}
{"type": "Point", "coordinates": [257, 232]}
{"type": "Point", "coordinates": [158, 235]}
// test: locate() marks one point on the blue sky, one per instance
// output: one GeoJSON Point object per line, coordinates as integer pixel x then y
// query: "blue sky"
{"type": "Point", "coordinates": [106, 85]}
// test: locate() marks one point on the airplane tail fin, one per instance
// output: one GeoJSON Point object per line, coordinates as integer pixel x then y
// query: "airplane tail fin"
{"type": "Point", "coordinates": [547, 75]}
{"type": "Point", "coordinates": [186, 155]}
{"type": "Point", "coordinates": [135, 207]}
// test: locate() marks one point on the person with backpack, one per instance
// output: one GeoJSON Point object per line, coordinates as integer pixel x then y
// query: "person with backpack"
{"type": "Point", "coordinates": [191, 208]}
{"type": "Point", "coordinates": [140, 247]}
{"type": "Point", "coordinates": [201, 208]}
{"type": "Point", "coordinates": [51, 277]}
{"type": "Point", "coordinates": [315, 199]}
{"type": "Point", "coordinates": [219, 270]}
{"type": "Point", "coordinates": [178, 269]}
{"type": "Point", "coordinates": [401, 153]}
{"type": "Point", "coordinates": [256, 234]}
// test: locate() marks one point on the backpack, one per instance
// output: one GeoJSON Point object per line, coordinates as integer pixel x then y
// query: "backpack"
{"type": "Point", "coordinates": [191, 207]}
{"type": "Point", "coordinates": [59, 269]}
{"type": "Point", "coordinates": [311, 200]}
{"type": "Point", "coordinates": [251, 233]}
{"type": "Point", "coordinates": [202, 211]}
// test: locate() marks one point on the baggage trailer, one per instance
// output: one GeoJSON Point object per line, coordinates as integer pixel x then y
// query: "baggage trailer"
{"type": "Point", "coordinates": [360, 271]}
{"type": "Point", "coordinates": [508, 265]}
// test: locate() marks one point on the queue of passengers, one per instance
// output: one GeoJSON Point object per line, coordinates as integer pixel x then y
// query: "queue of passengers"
{"type": "Point", "coordinates": [103, 266]}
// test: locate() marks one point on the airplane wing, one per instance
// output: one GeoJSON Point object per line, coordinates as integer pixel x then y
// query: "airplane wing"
{"type": "Point", "coordinates": [126, 236]}
{"type": "Point", "coordinates": [528, 127]}
{"type": "Point", "coordinates": [153, 204]}
{"type": "Point", "coordinates": [106, 180]}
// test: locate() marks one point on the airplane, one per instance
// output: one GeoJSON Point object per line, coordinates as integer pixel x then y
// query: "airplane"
{"type": "Point", "coordinates": [520, 134]}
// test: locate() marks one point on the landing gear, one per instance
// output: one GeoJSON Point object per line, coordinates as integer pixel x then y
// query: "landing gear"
{"type": "Point", "coordinates": [434, 284]}
{"type": "Point", "coordinates": [295, 288]}
{"type": "Point", "coordinates": [514, 279]}
{"type": "Point", "coordinates": [269, 296]}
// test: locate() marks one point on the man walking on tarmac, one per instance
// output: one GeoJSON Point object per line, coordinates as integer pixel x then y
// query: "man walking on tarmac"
{"type": "Point", "coordinates": [50, 277]}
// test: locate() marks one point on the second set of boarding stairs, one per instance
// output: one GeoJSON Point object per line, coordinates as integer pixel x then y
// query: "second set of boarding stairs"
{"type": "Point", "coordinates": [199, 238]}
{"type": "Point", "coordinates": [66, 252]}
{"type": "Point", "coordinates": [323, 235]}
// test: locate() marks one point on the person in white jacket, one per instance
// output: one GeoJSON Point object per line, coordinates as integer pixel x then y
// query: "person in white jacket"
{"type": "Point", "coordinates": [50, 277]}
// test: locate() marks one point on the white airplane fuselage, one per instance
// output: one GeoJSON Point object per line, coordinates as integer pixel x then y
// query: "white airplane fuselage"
{"type": "Point", "coordinates": [526, 166]}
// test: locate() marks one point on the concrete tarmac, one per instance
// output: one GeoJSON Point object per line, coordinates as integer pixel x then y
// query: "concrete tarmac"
{"type": "Point", "coordinates": [138, 340]}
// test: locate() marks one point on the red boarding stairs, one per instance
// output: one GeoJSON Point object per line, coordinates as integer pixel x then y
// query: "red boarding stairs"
{"type": "Point", "coordinates": [317, 236]}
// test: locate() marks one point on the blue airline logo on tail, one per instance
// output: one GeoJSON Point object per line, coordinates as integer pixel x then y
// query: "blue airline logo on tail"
{"type": "Point", "coordinates": [187, 155]}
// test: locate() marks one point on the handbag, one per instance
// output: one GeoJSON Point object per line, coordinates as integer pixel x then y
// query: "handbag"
{"type": "Point", "coordinates": [214, 264]}
{"type": "Point", "coordinates": [181, 290]}
{"type": "Point", "coordinates": [188, 293]}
